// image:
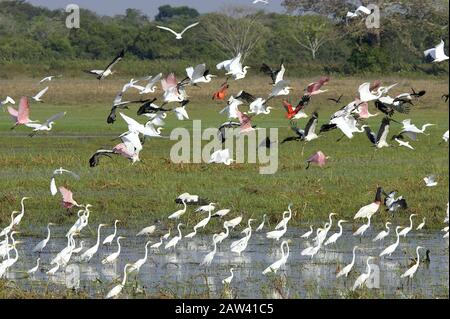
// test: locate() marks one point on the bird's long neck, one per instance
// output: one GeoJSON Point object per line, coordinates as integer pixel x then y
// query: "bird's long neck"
{"type": "Point", "coordinates": [369, 269]}
{"type": "Point", "coordinates": [118, 246]}
{"type": "Point", "coordinates": [215, 246]}
{"type": "Point", "coordinates": [340, 229]}
{"type": "Point", "coordinates": [115, 229]}
{"type": "Point", "coordinates": [48, 233]}
{"type": "Point", "coordinates": [398, 236]}
{"type": "Point", "coordinates": [410, 221]}
{"type": "Point", "coordinates": [146, 251]}
{"type": "Point", "coordinates": [98, 235]}
{"type": "Point", "coordinates": [124, 280]}
{"type": "Point", "coordinates": [418, 256]}
{"type": "Point", "coordinates": [354, 256]}
{"type": "Point", "coordinates": [179, 231]}
{"type": "Point", "coordinates": [22, 204]}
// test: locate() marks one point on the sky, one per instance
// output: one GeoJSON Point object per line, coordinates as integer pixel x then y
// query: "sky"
{"type": "Point", "coordinates": [150, 7]}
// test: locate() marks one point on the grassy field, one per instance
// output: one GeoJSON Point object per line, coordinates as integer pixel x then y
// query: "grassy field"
{"type": "Point", "coordinates": [142, 193]}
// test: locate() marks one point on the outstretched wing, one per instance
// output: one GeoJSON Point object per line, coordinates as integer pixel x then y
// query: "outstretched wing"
{"type": "Point", "coordinates": [116, 59]}
{"type": "Point", "coordinates": [41, 93]}
{"type": "Point", "coordinates": [55, 117]}
{"type": "Point", "coordinates": [189, 27]}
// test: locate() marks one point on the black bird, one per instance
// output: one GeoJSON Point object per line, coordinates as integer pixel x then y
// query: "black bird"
{"type": "Point", "coordinates": [275, 75]}
{"type": "Point", "coordinates": [379, 140]}
{"type": "Point", "coordinates": [223, 128]}
{"type": "Point", "coordinates": [149, 107]}
{"type": "Point", "coordinates": [246, 97]}
{"type": "Point", "coordinates": [445, 97]}
{"type": "Point", "coordinates": [300, 134]}
{"type": "Point", "coordinates": [338, 100]}
{"type": "Point", "coordinates": [418, 94]}
{"type": "Point", "coordinates": [119, 104]}
{"type": "Point", "coordinates": [400, 106]}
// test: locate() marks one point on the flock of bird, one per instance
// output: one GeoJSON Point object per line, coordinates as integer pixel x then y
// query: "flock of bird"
{"type": "Point", "coordinates": [349, 120]}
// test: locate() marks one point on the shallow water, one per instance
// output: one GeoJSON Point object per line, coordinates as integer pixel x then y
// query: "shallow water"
{"type": "Point", "coordinates": [178, 274]}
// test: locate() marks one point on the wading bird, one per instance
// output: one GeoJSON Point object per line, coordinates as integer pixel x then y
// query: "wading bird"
{"type": "Point", "coordinates": [333, 238]}
{"type": "Point", "coordinates": [49, 78]}
{"type": "Point", "coordinates": [233, 222]}
{"type": "Point", "coordinates": [234, 67]}
{"type": "Point", "coordinates": [411, 271]}
{"type": "Point", "coordinates": [88, 254]}
{"type": "Point", "coordinates": [390, 249]}
{"type": "Point", "coordinates": [210, 256]}
{"type": "Point", "coordinates": [240, 245]}
{"type": "Point", "coordinates": [113, 293]}
{"type": "Point", "coordinates": [43, 243]}
{"type": "Point", "coordinates": [379, 140]}
{"type": "Point", "coordinates": [315, 87]}
{"type": "Point", "coordinates": [109, 239]}
{"type": "Point", "coordinates": [113, 257]}
{"type": "Point", "coordinates": [406, 230]}
{"type": "Point", "coordinates": [198, 74]}
{"type": "Point", "coordinates": [101, 74]}
{"type": "Point", "coordinates": [67, 198]}
{"type": "Point", "coordinates": [228, 279]}
{"type": "Point", "coordinates": [346, 270]}
{"type": "Point", "coordinates": [361, 230]}
{"type": "Point", "coordinates": [7, 100]}
{"type": "Point", "coordinates": [178, 36]}
{"type": "Point", "coordinates": [281, 262]}
{"type": "Point", "coordinates": [179, 213]}
{"type": "Point", "coordinates": [221, 157]}
{"type": "Point", "coordinates": [138, 264]}
{"type": "Point", "coordinates": [35, 268]}
{"type": "Point", "coordinates": [222, 92]}
{"type": "Point", "coordinates": [59, 171]}
{"type": "Point", "coordinates": [21, 116]}
{"type": "Point", "coordinates": [191, 199]}
{"type": "Point", "coordinates": [369, 210]}
{"type": "Point", "coordinates": [308, 233]}
{"type": "Point", "coordinates": [261, 226]}
{"type": "Point", "coordinates": [383, 234]}
{"type": "Point", "coordinates": [297, 112]}
{"type": "Point", "coordinates": [422, 224]}
{"type": "Point", "coordinates": [174, 241]}
{"type": "Point", "coordinates": [361, 280]}
{"type": "Point", "coordinates": [146, 231]}
{"type": "Point", "coordinates": [276, 75]}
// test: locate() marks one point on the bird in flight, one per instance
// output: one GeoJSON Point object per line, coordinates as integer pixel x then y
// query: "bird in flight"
{"type": "Point", "coordinates": [222, 92]}
{"type": "Point", "coordinates": [40, 94]}
{"type": "Point", "coordinates": [101, 74]}
{"type": "Point", "coordinates": [436, 54]}
{"type": "Point", "coordinates": [46, 126]}
{"type": "Point", "coordinates": [49, 78]}
{"type": "Point", "coordinates": [178, 36]}
{"type": "Point", "coordinates": [276, 75]}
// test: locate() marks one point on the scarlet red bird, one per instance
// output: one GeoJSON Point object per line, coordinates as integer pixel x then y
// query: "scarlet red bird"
{"type": "Point", "coordinates": [222, 92]}
{"type": "Point", "coordinates": [290, 111]}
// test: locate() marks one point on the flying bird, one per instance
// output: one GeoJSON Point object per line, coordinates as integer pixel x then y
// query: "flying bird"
{"type": "Point", "coordinates": [49, 78]}
{"type": "Point", "coordinates": [39, 95]}
{"type": "Point", "coordinates": [319, 158]}
{"type": "Point", "coordinates": [276, 75]}
{"type": "Point", "coordinates": [222, 92]}
{"type": "Point", "coordinates": [59, 171]}
{"type": "Point", "coordinates": [436, 54]}
{"type": "Point", "coordinates": [46, 126]}
{"type": "Point", "coordinates": [178, 36]}
{"type": "Point", "coordinates": [21, 115]}
{"type": "Point", "coordinates": [101, 74]}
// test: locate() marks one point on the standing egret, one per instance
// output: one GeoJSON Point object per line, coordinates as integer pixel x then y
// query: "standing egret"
{"type": "Point", "coordinates": [221, 213]}
{"type": "Point", "coordinates": [406, 230]}
{"type": "Point", "coordinates": [333, 238]}
{"type": "Point", "coordinates": [228, 279]}
{"type": "Point", "coordinates": [33, 270]}
{"type": "Point", "coordinates": [287, 215]}
{"type": "Point", "coordinates": [19, 217]}
{"type": "Point", "coordinates": [277, 234]}
{"type": "Point", "coordinates": [210, 256]}
{"type": "Point", "coordinates": [108, 240]}
{"type": "Point", "coordinates": [411, 271]}
{"type": "Point", "coordinates": [346, 270]}
{"type": "Point", "coordinates": [180, 212]}
{"type": "Point", "coordinates": [147, 231]}
{"type": "Point", "coordinates": [41, 245]}
{"type": "Point", "coordinates": [240, 245]}
{"type": "Point", "coordinates": [422, 224]}
{"type": "Point", "coordinates": [363, 277]}
{"type": "Point", "coordinates": [53, 270]}
{"type": "Point", "coordinates": [223, 235]}
{"type": "Point", "coordinates": [173, 242]}
{"type": "Point", "coordinates": [138, 264]}
{"type": "Point", "coordinates": [383, 234]}
{"type": "Point", "coordinates": [113, 257]}
{"type": "Point", "coordinates": [88, 254]}
{"type": "Point", "coordinates": [279, 263]}
{"type": "Point", "coordinates": [158, 244]}
{"type": "Point", "coordinates": [390, 249]}
{"type": "Point", "coordinates": [308, 233]}
{"type": "Point", "coordinates": [78, 249]}
{"type": "Point", "coordinates": [118, 289]}
{"type": "Point", "coordinates": [361, 230]}
{"type": "Point", "coordinates": [261, 226]}
{"type": "Point", "coordinates": [233, 222]}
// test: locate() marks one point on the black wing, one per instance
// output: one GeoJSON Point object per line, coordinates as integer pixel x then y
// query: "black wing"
{"type": "Point", "coordinates": [370, 135]}
{"type": "Point", "coordinates": [247, 97]}
{"type": "Point", "coordinates": [404, 108]}
{"type": "Point", "coordinates": [312, 122]}
{"type": "Point", "coordinates": [327, 127]}
{"type": "Point", "coordinates": [383, 127]}
{"type": "Point", "coordinates": [116, 59]}
{"type": "Point", "coordinates": [95, 159]}
{"type": "Point", "coordinates": [384, 108]}
{"type": "Point", "coordinates": [268, 71]}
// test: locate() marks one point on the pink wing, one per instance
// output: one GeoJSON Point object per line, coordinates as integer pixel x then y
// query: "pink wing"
{"type": "Point", "coordinates": [364, 110]}
{"type": "Point", "coordinates": [313, 87]}
{"type": "Point", "coordinates": [319, 158]}
{"type": "Point", "coordinates": [246, 124]}
{"type": "Point", "coordinates": [24, 111]}
{"type": "Point", "coordinates": [375, 85]}
{"type": "Point", "coordinates": [169, 82]}
{"type": "Point", "coordinates": [13, 112]}
{"type": "Point", "coordinates": [121, 149]}
{"type": "Point", "coordinates": [67, 200]}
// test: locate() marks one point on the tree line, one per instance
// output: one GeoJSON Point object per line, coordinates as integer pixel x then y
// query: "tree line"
{"type": "Point", "coordinates": [312, 37]}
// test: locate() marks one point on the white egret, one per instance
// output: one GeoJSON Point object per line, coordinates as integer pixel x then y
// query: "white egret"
{"type": "Point", "coordinates": [109, 239]}
{"type": "Point", "coordinates": [178, 36]}
{"type": "Point", "coordinates": [88, 254]}
{"type": "Point", "coordinates": [118, 289]}
{"type": "Point", "coordinates": [308, 233]}
{"type": "Point", "coordinates": [138, 264]}
{"type": "Point", "coordinates": [383, 234]}
{"type": "Point", "coordinates": [113, 257]}
{"type": "Point", "coordinates": [233, 222]}
{"type": "Point", "coordinates": [43, 243]}
{"type": "Point", "coordinates": [346, 270]}
{"type": "Point", "coordinates": [53, 270]}
{"type": "Point", "coordinates": [277, 234]}
{"type": "Point", "coordinates": [406, 230]}
{"type": "Point", "coordinates": [228, 279]}
{"type": "Point", "coordinates": [240, 245]}
{"type": "Point", "coordinates": [281, 262]}
{"type": "Point", "coordinates": [223, 235]}
{"type": "Point", "coordinates": [333, 238]}
{"type": "Point", "coordinates": [35, 268]}
{"type": "Point", "coordinates": [430, 181]}
{"type": "Point", "coordinates": [411, 271]}
{"type": "Point", "coordinates": [361, 280]}
{"type": "Point", "coordinates": [101, 74]}
{"type": "Point", "coordinates": [221, 213]}
{"type": "Point", "coordinates": [179, 213]}
{"type": "Point", "coordinates": [78, 249]}
{"type": "Point", "coordinates": [261, 226]}
{"type": "Point", "coordinates": [210, 256]}
{"type": "Point", "coordinates": [221, 157]}
{"type": "Point", "coordinates": [19, 217]}
{"type": "Point", "coordinates": [39, 95]}
{"type": "Point", "coordinates": [158, 244]}
{"type": "Point", "coordinates": [287, 215]}
{"type": "Point", "coordinates": [361, 230]}
{"type": "Point", "coordinates": [390, 249]}
{"type": "Point", "coordinates": [173, 242]}
{"type": "Point", "coordinates": [422, 224]}
{"type": "Point", "coordinates": [46, 126]}
{"type": "Point", "coordinates": [147, 231]}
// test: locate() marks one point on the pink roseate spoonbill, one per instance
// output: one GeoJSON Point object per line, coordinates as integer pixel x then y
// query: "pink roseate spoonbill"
{"type": "Point", "coordinates": [245, 121]}
{"type": "Point", "coordinates": [315, 87]}
{"type": "Point", "coordinates": [67, 198]}
{"type": "Point", "coordinates": [363, 111]}
{"type": "Point", "coordinates": [21, 116]}
{"type": "Point", "coordinates": [319, 158]}
{"type": "Point", "coordinates": [369, 210]}
{"type": "Point", "coordinates": [173, 90]}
